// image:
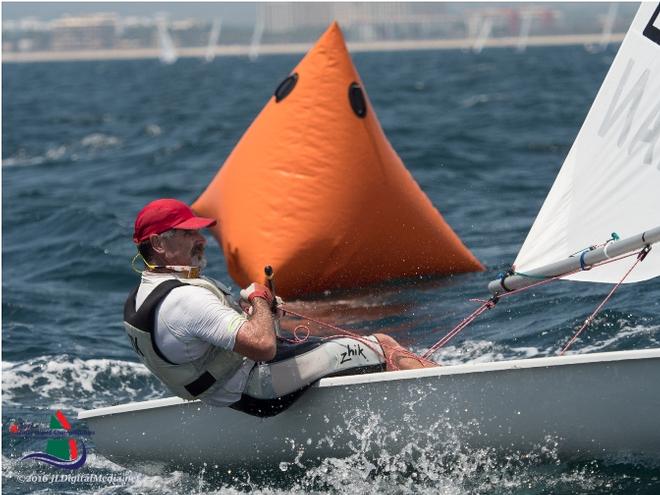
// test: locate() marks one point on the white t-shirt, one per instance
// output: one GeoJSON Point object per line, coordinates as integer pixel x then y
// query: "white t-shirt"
{"type": "Point", "coordinates": [190, 320]}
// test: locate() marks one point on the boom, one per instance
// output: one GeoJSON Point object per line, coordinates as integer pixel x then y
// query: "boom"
{"type": "Point", "coordinates": [575, 263]}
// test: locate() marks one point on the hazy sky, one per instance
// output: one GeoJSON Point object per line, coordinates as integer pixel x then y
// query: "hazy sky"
{"type": "Point", "coordinates": [232, 13]}
{"type": "Point", "coordinates": [237, 13]}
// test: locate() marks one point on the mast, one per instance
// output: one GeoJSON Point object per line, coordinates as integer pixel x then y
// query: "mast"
{"type": "Point", "coordinates": [575, 263]}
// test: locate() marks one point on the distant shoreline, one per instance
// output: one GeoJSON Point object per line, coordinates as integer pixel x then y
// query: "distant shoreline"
{"type": "Point", "coordinates": [296, 48]}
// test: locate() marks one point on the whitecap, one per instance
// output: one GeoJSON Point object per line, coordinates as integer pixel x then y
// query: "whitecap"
{"type": "Point", "coordinates": [153, 130]}
{"type": "Point", "coordinates": [480, 351]}
{"type": "Point", "coordinates": [76, 384]}
{"type": "Point", "coordinates": [480, 99]}
{"type": "Point", "coordinates": [475, 100]}
{"type": "Point", "coordinates": [98, 140]}
{"type": "Point", "coordinates": [17, 161]}
{"type": "Point", "coordinates": [22, 159]}
{"type": "Point", "coordinates": [625, 333]}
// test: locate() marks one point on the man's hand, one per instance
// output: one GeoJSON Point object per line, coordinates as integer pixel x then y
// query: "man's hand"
{"type": "Point", "coordinates": [256, 337]}
{"type": "Point", "coordinates": [257, 290]}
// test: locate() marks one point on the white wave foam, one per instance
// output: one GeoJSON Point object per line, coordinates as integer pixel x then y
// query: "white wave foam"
{"type": "Point", "coordinates": [485, 351]}
{"type": "Point", "coordinates": [482, 351]}
{"type": "Point", "coordinates": [98, 140]}
{"type": "Point", "coordinates": [435, 461]}
{"type": "Point", "coordinates": [626, 332]}
{"type": "Point", "coordinates": [14, 472]}
{"type": "Point", "coordinates": [65, 382]}
{"type": "Point", "coordinates": [92, 142]}
{"type": "Point", "coordinates": [475, 100]}
{"type": "Point", "coordinates": [22, 159]}
{"type": "Point", "coordinates": [153, 130]}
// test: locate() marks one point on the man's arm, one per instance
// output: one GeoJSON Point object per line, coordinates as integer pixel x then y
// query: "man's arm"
{"type": "Point", "coordinates": [256, 337]}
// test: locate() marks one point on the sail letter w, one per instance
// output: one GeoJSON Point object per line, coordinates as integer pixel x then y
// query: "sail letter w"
{"type": "Point", "coordinates": [631, 102]}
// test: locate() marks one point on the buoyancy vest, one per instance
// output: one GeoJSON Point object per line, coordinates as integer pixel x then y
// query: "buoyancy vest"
{"type": "Point", "coordinates": [192, 380]}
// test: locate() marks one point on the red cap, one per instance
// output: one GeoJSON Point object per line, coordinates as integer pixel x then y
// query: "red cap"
{"type": "Point", "coordinates": [165, 214]}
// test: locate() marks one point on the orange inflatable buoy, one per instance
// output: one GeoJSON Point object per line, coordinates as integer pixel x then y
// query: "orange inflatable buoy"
{"type": "Point", "coordinates": [315, 189]}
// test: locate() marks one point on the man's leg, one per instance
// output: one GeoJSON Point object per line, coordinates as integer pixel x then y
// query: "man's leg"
{"type": "Point", "coordinates": [398, 357]}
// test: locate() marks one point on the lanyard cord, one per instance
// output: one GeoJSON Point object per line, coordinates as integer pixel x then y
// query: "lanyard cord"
{"type": "Point", "coordinates": [189, 271]}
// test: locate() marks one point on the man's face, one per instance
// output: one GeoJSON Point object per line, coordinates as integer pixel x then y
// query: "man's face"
{"type": "Point", "coordinates": [184, 247]}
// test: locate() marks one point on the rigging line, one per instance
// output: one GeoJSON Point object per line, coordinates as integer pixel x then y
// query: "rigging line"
{"type": "Point", "coordinates": [342, 333]}
{"type": "Point", "coordinates": [640, 257]}
{"type": "Point", "coordinates": [458, 328]}
{"type": "Point", "coordinates": [486, 305]}
{"type": "Point", "coordinates": [491, 303]}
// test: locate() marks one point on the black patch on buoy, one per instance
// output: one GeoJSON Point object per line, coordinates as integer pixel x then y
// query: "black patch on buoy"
{"type": "Point", "coordinates": [286, 87]}
{"type": "Point", "coordinates": [358, 102]}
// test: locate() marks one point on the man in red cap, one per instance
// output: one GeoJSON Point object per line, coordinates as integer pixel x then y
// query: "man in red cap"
{"type": "Point", "coordinates": [189, 332]}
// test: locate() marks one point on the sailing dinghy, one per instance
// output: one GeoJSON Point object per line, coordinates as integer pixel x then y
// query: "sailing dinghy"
{"type": "Point", "coordinates": [597, 405]}
{"type": "Point", "coordinates": [590, 405]}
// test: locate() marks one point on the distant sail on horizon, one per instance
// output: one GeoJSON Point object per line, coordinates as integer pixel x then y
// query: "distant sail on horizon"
{"type": "Point", "coordinates": [608, 26]}
{"type": "Point", "coordinates": [257, 34]}
{"type": "Point", "coordinates": [525, 28]}
{"type": "Point", "coordinates": [214, 36]}
{"type": "Point", "coordinates": [484, 34]}
{"type": "Point", "coordinates": [168, 53]}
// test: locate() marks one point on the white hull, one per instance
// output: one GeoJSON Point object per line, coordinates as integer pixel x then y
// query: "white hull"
{"type": "Point", "coordinates": [593, 406]}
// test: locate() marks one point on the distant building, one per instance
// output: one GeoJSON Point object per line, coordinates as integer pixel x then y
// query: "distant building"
{"type": "Point", "coordinates": [303, 22]}
{"type": "Point", "coordinates": [97, 31]}
{"type": "Point", "coordinates": [283, 17]}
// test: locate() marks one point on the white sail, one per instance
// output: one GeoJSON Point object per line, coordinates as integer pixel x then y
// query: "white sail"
{"type": "Point", "coordinates": [167, 51]}
{"type": "Point", "coordinates": [525, 27]}
{"type": "Point", "coordinates": [259, 25]}
{"type": "Point", "coordinates": [214, 36]}
{"type": "Point", "coordinates": [484, 34]}
{"type": "Point", "coordinates": [472, 24]}
{"type": "Point", "coordinates": [610, 180]}
{"type": "Point", "coordinates": [608, 25]}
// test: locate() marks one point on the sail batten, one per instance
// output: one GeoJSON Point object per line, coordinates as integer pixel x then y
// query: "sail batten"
{"type": "Point", "coordinates": [610, 180]}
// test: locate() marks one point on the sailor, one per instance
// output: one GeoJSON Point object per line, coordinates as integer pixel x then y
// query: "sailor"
{"type": "Point", "coordinates": [190, 333]}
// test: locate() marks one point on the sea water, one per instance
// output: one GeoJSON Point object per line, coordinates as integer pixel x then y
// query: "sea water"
{"type": "Point", "coordinates": [86, 144]}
